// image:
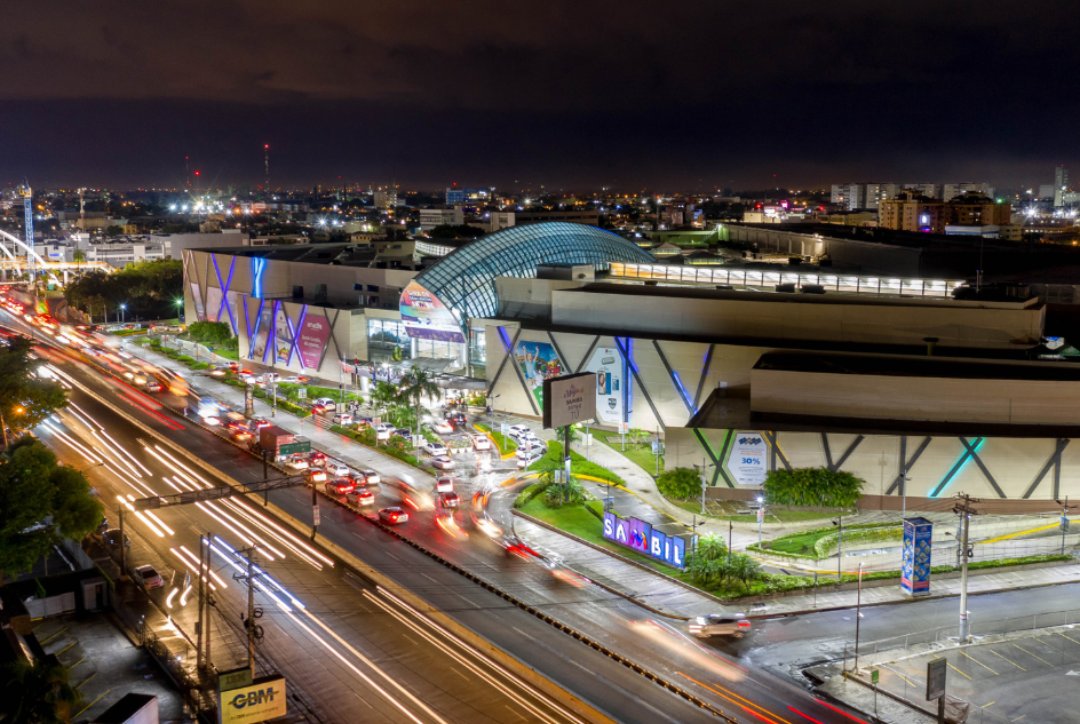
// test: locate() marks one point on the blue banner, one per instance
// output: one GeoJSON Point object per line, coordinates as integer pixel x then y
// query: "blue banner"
{"type": "Point", "coordinates": [916, 561]}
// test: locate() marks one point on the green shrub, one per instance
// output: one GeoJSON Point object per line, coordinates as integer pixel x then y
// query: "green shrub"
{"type": "Point", "coordinates": [819, 487]}
{"type": "Point", "coordinates": [557, 495]}
{"type": "Point", "coordinates": [680, 484]}
{"type": "Point", "coordinates": [527, 495]}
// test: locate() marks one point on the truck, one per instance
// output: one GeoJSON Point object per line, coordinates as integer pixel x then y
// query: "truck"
{"type": "Point", "coordinates": [281, 443]}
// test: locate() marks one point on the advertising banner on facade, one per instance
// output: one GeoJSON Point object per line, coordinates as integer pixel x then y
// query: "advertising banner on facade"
{"type": "Point", "coordinates": [314, 334]}
{"type": "Point", "coordinates": [261, 701]}
{"type": "Point", "coordinates": [748, 462]}
{"type": "Point", "coordinates": [916, 557]}
{"type": "Point", "coordinates": [643, 538]}
{"type": "Point", "coordinates": [213, 305]}
{"type": "Point", "coordinates": [263, 327]}
{"type": "Point", "coordinates": [196, 297]}
{"type": "Point", "coordinates": [538, 361]}
{"type": "Point", "coordinates": [426, 317]}
{"type": "Point", "coordinates": [569, 399]}
{"type": "Point", "coordinates": [608, 366]}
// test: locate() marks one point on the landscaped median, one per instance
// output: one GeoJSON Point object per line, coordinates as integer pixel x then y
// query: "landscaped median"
{"type": "Point", "coordinates": [395, 447]}
{"type": "Point", "coordinates": [503, 443]}
{"type": "Point", "coordinates": [579, 466]}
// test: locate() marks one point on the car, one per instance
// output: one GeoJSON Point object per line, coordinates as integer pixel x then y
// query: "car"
{"type": "Point", "coordinates": [316, 476]}
{"type": "Point", "coordinates": [449, 499]}
{"type": "Point", "coordinates": [457, 419]}
{"type": "Point", "coordinates": [516, 431]}
{"type": "Point", "coordinates": [112, 538]}
{"type": "Point", "coordinates": [343, 418]}
{"type": "Point", "coordinates": [383, 432]}
{"type": "Point", "coordinates": [296, 463]}
{"type": "Point", "coordinates": [316, 459]}
{"type": "Point", "coordinates": [241, 435]}
{"type": "Point", "coordinates": [340, 486]}
{"type": "Point", "coordinates": [434, 448]}
{"type": "Point", "coordinates": [393, 515]}
{"type": "Point", "coordinates": [735, 625]}
{"type": "Point", "coordinates": [337, 468]}
{"type": "Point", "coordinates": [326, 403]}
{"type": "Point", "coordinates": [442, 427]}
{"type": "Point", "coordinates": [444, 483]}
{"type": "Point", "coordinates": [154, 386]}
{"type": "Point", "coordinates": [443, 462]}
{"type": "Point", "coordinates": [481, 443]}
{"type": "Point", "coordinates": [403, 433]}
{"type": "Point", "coordinates": [362, 497]}
{"type": "Point", "coordinates": [514, 546]}
{"type": "Point", "coordinates": [258, 423]}
{"type": "Point", "coordinates": [148, 577]}
{"type": "Point", "coordinates": [524, 462]}
{"type": "Point", "coordinates": [370, 477]}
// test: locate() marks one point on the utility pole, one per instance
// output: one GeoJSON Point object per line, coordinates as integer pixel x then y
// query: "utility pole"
{"type": "Point", "coordinates": [123, 539]}
{"type": "Point", "coordinates": [206, 600]}
{"type": "Point", "coordinates": [839, 523]}
{"type": "Point", "coordinates": [964, 508]}
{"type": "Point", "coordinates": [254, 631]}
{"type": "Point", "coordinates": [858, 616]}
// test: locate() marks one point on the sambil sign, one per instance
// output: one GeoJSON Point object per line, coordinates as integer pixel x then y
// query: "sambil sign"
{"type": "Point", "coordinates": [640, 536]}
{"type": "Point", "coordinates": [261, 701]}
{"type": "Point", "coordinates": [569, 399]}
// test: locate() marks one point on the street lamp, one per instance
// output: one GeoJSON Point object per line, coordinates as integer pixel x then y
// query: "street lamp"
{"type": "Point", "coordinates": [179, 302]}
{"type": "Point", "coordinates": [760, 517]}
{"type": "Point", "coordinates": [839, 523]}
{"type": "Point", "coordinates": [123, 308]}
{"type": "Point", "coordinates": [17, 410]}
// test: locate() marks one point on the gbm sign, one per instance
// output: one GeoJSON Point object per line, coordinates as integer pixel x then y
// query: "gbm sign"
{"type": "Point", "coordinates": [262, 700]}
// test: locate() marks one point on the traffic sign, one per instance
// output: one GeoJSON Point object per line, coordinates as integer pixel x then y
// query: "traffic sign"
{"type": "Point", "coordinates": [875, 676]}
{"type": "Point", "coordinates": [935, 679]}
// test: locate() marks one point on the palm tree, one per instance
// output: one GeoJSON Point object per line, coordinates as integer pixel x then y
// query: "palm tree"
{"type": "Point", "coordinates": [416, 384]}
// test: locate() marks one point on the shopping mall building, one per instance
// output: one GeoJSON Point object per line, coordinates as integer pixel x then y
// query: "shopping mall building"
{"type": "Point", "coordinates": [890, 378]}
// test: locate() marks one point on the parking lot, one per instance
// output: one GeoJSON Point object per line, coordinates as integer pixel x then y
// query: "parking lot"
{"type": "Point", "coordinates": [1024, 677]}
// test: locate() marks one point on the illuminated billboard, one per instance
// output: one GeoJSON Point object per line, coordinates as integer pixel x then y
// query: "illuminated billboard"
{"type": "Point", "coordinates": [569, 399]}
{"type": "Point", "coordinates": [262, 701]}
{"type": "Point", "coordinates": [608, 366]}
{"type": "Point", "coordinates": [312, 338]}
{"type": "Point", "coordinates": [426, 317]}
{"type": "Point", "coordinates": [537, 361]}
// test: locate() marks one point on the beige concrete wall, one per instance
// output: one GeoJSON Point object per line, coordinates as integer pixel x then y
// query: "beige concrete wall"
{"type": "Point", "coordinates": [1019, 402]}
{"type": "Point", "coordinates": [796, 317]}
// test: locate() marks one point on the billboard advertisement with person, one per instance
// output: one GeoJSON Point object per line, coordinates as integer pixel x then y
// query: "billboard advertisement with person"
{"type": "Point", "coordinates": [425, 317]}
{"type": "Point", "coordinates": [538, 361]}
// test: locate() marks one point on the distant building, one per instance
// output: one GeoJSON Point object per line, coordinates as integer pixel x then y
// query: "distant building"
{"type": "Point", "coordinates": [590, 218]}
{"type": "Point", "coordinates": [1061, 185]}
{"type": "Point", "coordinates": [912, 212]}
{"type": "Point", "coordinates": [430, 218]}
{"type": "Point", "coordinates": [497, 220]}
{"type": "Point", "coordinates": [385, 197]}
{"type": "Point", "coordinates": [951, 191]}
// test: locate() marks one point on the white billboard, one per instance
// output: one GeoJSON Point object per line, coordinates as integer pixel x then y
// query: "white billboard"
{"type": "Point", "coordinates": [262, 701]}
{"type": "Point", "coordinates": [747, 460]}
{"type": "Point", "coordinates": [569, 399]}
{"type": "Point", "coordinates": [608, 366]}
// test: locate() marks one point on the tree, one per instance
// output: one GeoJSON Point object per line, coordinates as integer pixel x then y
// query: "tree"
{"type": "Point", "coordinates": [416, 384]}
{"type": "Point", "coordinates": [707, 562]}
{"type": "Point", "coordinates": [25, 400]}
{"type": "Point", "coordinates": [744, 569]}
{"type": "Point", "coordinates": [384, 394]}
{"type": "Point", "coordinates": [37, 693]}
{"type": "Point", "coordinates": [680, 483]}
{"type": "Point", "coordinates": [41, 503]}
{"type": "Point", "coordinates": [213, 333]}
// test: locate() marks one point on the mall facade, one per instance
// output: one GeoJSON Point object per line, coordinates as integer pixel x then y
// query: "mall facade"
{"type": "Point", "coordinates": [739, 370]}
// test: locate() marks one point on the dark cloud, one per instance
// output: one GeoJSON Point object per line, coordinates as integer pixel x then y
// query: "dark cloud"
{"type": "Point", "coordinates": [689, 94]}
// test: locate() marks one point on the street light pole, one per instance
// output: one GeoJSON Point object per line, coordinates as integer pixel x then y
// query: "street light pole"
{"type": "Point", "coordinates": [858, 616]}
{"type": "Point", "coordinates": [965, 510]}
{"type": "Point", "coordinates": [839, 523]}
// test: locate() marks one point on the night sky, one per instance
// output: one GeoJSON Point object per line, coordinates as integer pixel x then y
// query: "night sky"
{"type": "Point", "coordinates": [691, 96]}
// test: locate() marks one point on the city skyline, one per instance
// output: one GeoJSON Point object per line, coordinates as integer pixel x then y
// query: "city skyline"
{"type": "Point", "coordinates": [691, 97]}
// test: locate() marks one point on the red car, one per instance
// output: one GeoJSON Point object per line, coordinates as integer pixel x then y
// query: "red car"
{"type": "Point", "coordinates": [316, 459]}
{"type": "Point", "coordinates": [449, 500]}
{"type": "Point", "coordinates": [340, 486]}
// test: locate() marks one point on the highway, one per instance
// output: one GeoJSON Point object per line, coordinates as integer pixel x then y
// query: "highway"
{"type": "Point", "coordinates": [742, 693]}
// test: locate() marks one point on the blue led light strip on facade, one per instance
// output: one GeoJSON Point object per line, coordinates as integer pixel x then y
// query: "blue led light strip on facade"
{"type": "Point", "coordinates": [961, 462]}
{"type": "Point", "coordinates": [258, 266]}
{"type": "Point", "coordinates": [225, 291]}
{"type": "Point", "coordinates": [295, 346]}
{"type": "Point", "coordinates": [253, 332]}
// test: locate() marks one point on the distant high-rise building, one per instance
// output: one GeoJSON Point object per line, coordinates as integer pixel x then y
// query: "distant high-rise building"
{"type": "Point", "coordinates": [951, 191]}
{"type": "Point", "coordinates": [385, 197]}
{"type": "Point", "coordinates": [1061, 185]}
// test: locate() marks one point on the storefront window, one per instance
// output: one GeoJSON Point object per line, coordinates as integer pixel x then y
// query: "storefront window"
{"type": "Point", "coordinates": [386, 335]}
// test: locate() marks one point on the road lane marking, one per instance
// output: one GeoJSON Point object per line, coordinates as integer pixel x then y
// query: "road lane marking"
{"type": "Point", "coordinates": [744, 704]}
{"type": "Point", "coordinates": [958, 670]}
{"type": "Point", "coordinates": [965, 653]}
{"type": "Point", "coordinates": [1032, 654]}
{"type": "Point", "coordinates": [1068, 637]}
{"type": "Point", "coordinates": [988, 704]}
{"type": "Point", "coordinates": [1005, 658]}
{"type": "Point", "coordinates": [907, 681]}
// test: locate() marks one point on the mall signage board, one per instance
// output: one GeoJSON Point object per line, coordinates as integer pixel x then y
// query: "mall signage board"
{"type": "Point", "coordinates": [608, 365]}
{"type": "Point", "coordinates": [748, 460]}
{"type": "Point", "coordinates": [569, 399]}
{"type": "Point", "coordinates": [261, 701]}
{"type": "Point", "coordinates": [426, 317]}
{"type": "Point", "coordinates": [640, 536]}
{"type": "Point", "coordinates": [915, 557]}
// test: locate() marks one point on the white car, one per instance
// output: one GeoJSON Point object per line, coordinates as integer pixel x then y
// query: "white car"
{"type": "Point", "coordinates": [434, 448]}
{"type": "Point", "coordinates": [343, 418]}
{"type": "Point", "coordinates": [148, 577]}
{"type": "Point", "coordinates": [337, 469]}
{"type": "Point", "coordinates": [481, 443]}
{"type": "Point", "coordinates": [516, 431]}
{"type": "Point", "coordinates": [370, 477]}
{"type": "Point", "coordinates": [383, 432]}
{"type": "Point", "coordinates": [442, 427]}
{"type": "Point", "coordinates": [326, 403]}
{"type": "Point", "coordinates": [444, 484]}
{"type": "Point", "coordinates": [297, 463]}
{"type": "Point", "coordinates": [443, 462]}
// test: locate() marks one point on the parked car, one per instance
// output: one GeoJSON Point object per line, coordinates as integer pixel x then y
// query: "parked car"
{"type": "Point", "coordinates": [393, 515]}
{"type": "Point", "coordinates": [147, 577]}
{"type": "Point", "coordinates": [112, 539]}
{"type": "Point", "coordinates": [735, 625]}
{"type": "Point", "coordinates": [481, 443]}
{"type": "Point", "coordinates": [340, 486]}
{"type": "Point", "coordinates": [403, 433]}
{"type": "Point", "coordinates": [434, 448]}
{"type": "Point", "coordinates": [516, 431]}
{"type": "Point", "coordinates": [443, 462]}
{"type": "Point", "coordinates": [343, 418]}
{"type": "Point", "coordinates": [383, 432]}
